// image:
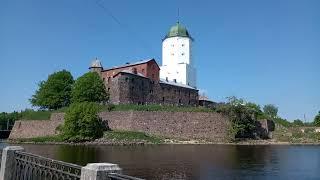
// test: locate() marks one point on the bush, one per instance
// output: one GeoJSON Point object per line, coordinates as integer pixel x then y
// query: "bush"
{"type": "Point", "coordinates": [298, 122]}
{"type": "Point", "coordinates": [82, 122]}
{"type": "Point", "coordinates": [243, 117]}
{"type": "Point", "coordinates": [282, 122]}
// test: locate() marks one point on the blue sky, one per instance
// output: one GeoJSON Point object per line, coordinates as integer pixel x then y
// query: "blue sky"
{"type": "Point", "coordinates": [263, 51]}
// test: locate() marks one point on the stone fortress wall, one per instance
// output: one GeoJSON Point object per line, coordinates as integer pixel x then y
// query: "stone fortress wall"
{"type": "Point", "coordinates": [36, 128]}
{"type": "Point", "coordinates": [181, 125]}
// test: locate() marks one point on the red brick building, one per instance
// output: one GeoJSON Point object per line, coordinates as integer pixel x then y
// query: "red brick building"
{"type": "Point", "coordinates": [139, 83]}
{"type": "Point", "coordinates": [147, 68]}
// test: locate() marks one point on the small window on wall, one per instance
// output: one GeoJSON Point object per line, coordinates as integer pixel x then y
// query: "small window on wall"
{"type": "Point", "coordinates": [142, 70]}
{"type": "Point", "coordinates": [182, 45]}
{"type": "Point", "coordinates": [179, 101]}
{"type": "Point", "coordinates": [162, 99]}
{"type": "Point", "coordinates": [182, 54]}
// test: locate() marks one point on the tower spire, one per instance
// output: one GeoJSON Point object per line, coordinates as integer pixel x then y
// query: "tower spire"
{"type": "Point", "coordinates": [178, 16]}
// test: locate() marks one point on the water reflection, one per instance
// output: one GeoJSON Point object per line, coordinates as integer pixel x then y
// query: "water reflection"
{"type": "Point", "coordinates": [196, 161]}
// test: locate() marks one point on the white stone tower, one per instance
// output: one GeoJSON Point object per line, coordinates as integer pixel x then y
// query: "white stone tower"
{"type": "Point", "coordinates": [177, 61]}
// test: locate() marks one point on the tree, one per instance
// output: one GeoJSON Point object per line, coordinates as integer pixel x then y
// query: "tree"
{"type": "Point", "coordinates": [90, 88]}
{"type": "Point", "coordinates": [82, 122]}
{"type": "Point", "coordinates": [55, 92]}
{"type": "Point", "coordinates": [270, 110]}
{"type": "Point", "coordinates": [259, 114]}
{"type": "Point", "coordinates": [316, 121]}
{"type": "Point", "coordinates": [298, 122]}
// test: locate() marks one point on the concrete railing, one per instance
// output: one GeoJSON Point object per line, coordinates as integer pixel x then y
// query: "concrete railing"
{"type": "Point", "coordinates": [17, 164]}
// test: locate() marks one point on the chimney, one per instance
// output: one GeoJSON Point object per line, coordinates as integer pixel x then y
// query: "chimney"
{"type": "Point", "coordinates": [175, 80]}
{"type": "Point", "coordinates": [167, 79]}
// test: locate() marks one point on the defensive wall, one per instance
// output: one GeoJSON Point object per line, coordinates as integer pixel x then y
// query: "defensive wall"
{"type": "Point", "coordinates": [182, 125]}
{"type": "Point", "coordinates": [36, 128]}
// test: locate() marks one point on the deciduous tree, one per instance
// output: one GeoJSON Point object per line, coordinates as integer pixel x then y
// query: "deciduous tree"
{"type": "Point", "coordinates": [270, 110]}
{"type": "Point", "coordinates": [316, 121]}
{"type": "Point", "coordinates": [89, 88]}
{"type": "Point", "coordinates": [55, 92]}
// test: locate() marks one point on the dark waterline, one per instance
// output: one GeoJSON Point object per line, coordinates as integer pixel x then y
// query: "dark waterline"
{"type": "Point", "coordinates": [196, 161]}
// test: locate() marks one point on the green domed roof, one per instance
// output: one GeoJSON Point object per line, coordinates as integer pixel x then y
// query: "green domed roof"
{"type": "Point", "coordinates": [178, 30]}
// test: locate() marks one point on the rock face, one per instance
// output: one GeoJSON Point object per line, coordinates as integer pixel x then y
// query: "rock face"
{"type": "Point", "coordinates": [264, 129]}
{"type": "Point", "coordinates": [182, 125]}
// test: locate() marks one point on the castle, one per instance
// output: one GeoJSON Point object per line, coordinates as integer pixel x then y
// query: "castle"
{"type": "Point", "coordinates": [145, 82]}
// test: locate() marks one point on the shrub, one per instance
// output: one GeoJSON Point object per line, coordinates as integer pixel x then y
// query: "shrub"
{"type": "Point", "coordinates": [82, 122]}
{"type": "Point", "coordinates": [298, 122]}
{"type": "Point", "coordinates": [243, 117]}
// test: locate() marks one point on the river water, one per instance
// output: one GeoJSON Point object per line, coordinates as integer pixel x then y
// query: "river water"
{"type": "Point", "coordinates": [196, 161]}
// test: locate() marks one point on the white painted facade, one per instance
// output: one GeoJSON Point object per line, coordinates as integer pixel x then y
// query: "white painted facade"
{"type": "Point", "coordinates": [177, 61]}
